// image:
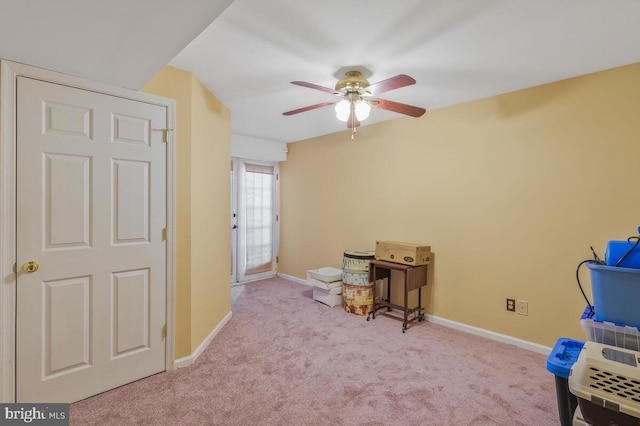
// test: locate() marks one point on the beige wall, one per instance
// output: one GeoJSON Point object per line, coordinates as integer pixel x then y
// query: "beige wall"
{"type": "Point", "coordinates": [202, 207]}
{"type": "Point", "coordinates": [210, 213]}
{"type": "Point", "coordinates": [509, 191]}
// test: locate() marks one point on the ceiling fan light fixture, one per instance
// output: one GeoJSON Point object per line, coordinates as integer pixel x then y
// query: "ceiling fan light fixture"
{"type": "Point", "coordinates": [362, 110]}
{"type": "Point", "coordinates": [356, 102]}
{"type": "Point", "coordinates": [343, 110]}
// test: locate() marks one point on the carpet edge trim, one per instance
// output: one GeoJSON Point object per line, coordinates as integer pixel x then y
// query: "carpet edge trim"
{"type": "Point", "coordinates": [186, 361]}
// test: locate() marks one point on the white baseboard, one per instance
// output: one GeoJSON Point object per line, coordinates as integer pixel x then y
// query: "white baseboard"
{"type": "Point", "coordinates": [294, 279]}
{"type": "Point", "coordinates": [524, 344]}
{"type": "Point", "coordinates": [190, 359]}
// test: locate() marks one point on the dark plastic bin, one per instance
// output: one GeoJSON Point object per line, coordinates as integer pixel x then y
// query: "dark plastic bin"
{"type": "Point", "coordinates": [559, 362]}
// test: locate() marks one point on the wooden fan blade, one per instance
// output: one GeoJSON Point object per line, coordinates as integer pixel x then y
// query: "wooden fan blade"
{"type": "Point", "coordinates": [392, 83]}
{"type": "Point", "coordinates": [315, 86]}
{"type": "Point", "coordinates": [308, 108]}
{"type": "Point", "coordinates": [405, 109]}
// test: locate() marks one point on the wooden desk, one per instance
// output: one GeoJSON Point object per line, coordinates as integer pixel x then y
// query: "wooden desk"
{"type": "Point", "coordinates": [415, 277]}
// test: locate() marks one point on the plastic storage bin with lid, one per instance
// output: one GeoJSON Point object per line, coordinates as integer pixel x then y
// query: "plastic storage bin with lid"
{"type": "Point", "coordinates": [609, 333]}
{"type": "Point", "coordinates": [559, 362]}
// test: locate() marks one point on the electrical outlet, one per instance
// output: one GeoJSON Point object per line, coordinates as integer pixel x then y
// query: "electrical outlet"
{"type": "Point", "coordinates": [522, 307]}
{"type": "Point", "coordinates": [511, 305]}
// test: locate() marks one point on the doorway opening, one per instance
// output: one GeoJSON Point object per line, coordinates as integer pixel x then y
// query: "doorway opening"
{"type": "Point", "coordinates": [254, 220]}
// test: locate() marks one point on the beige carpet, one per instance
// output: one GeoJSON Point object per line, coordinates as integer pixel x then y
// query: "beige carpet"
{"type": "Point", "coordinates": [284, 359]}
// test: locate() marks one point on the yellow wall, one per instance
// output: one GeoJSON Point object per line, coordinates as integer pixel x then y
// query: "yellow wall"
{"type": "Point", "coordinates": [509, 191]}
{"type": "Point", "coordinates": [202, 138]}
{"type": "Point", "coordinates": [210, 213]}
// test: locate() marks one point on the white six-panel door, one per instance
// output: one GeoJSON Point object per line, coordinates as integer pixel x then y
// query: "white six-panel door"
{"type": "Point", "coordinates": [91, 208]}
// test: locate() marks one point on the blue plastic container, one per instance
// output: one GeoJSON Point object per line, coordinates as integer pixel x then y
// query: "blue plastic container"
{"type": "Point", "coordinates": [563, 355]}
{"type": "Point", "coordinates": [559, 362]}
{"type": "Point", "coordinates": [616, 294]}
{"type": "Point", "coordinates": [616, 249]}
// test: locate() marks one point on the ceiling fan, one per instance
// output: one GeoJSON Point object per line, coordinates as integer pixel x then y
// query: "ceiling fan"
{"type": "Point", "coordinates": [357, 98]}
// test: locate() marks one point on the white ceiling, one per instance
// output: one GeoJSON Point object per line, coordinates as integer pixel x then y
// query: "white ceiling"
{"type": "Point", "coordinates": [457, 51]}
{"type": "Point", "coordinates": [121, 42]}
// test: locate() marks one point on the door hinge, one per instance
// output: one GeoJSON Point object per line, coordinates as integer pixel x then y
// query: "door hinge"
{"type": "Point", "coordinates": [15, 268]}
{"type": "Point", "coordinates": [164, 331]}
{"type": "Point", "coordinates": [277, 217]}
{"type": "Point", "coordinates": [165, 134]}
{"type": "Point", "coordinates": [277, 259]}
{"type": "Point", "coordinates": [164, 234]}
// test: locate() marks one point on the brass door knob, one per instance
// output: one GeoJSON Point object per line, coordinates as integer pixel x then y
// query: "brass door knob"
{"type": "Point", "coordinates": [30, 267]}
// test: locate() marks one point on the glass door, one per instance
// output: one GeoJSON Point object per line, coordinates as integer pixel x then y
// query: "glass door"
{"type": "Point", "coordinates": [256, 220]}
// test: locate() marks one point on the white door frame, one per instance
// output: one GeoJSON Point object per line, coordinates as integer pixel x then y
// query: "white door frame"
{"type": "Point", "coordinates": [240, 266]}
{"type": "Point", "coordinates": [9, 71]}
{"type": "Point", "coordinates": [234, 221]}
